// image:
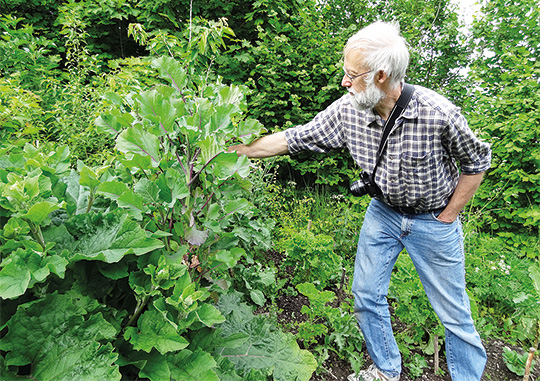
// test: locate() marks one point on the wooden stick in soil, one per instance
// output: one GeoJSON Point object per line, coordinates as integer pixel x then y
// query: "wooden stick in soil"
{"type": "Point", "coordinates": [436, 354]}
{"type": "Point", "coordinates": [528, 364]}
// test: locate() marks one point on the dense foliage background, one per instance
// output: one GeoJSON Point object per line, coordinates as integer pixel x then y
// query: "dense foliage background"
{"type": "Point", "coordinates": [132, 245]}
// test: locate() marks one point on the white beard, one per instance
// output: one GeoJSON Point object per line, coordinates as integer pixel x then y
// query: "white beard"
{"type": "Point", "coordinates": [367, 99]}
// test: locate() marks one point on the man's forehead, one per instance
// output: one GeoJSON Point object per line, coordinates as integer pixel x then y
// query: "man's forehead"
{"type": "Point", "coordinates": [353, 59]}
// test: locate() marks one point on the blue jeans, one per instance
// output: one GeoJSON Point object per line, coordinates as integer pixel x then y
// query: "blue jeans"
{"type": "Point", "coordinates": [436, 249]}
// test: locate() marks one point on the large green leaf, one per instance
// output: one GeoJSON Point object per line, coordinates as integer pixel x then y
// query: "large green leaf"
{"type": "Point", "coordinates": [192, 366]}
{"type": "Point", "coordinates": [61, 340]}
{"type": "Point", "coordinates": [156, 108]}
{"type": "Point", "coordinates": [14, 279]}
{"type": "Point", "coordinates": [171, 70]}
{"type": "Point", "coordinates": [124, 197]}
{"type": "Point", "coordinates": [209, 315]}
{"type": "Point", "coordinates": [135, 160]}
{"type": "Point", "coordinates": [155, 367]}
{"type": "Point", "coordinates": [40, 211]}
{"type": "Point", "coordinates": [107, 237]}
{"type": "Point", "coordinates": [89, 178]}
{"type": "Point", "coordinates": [248, 130]}
{"type": "Point", "coordinates": [23, 268]}
{"type": "Point", "coordinates": [220, 122]}
{"type": "Point", "coordinates": [137, 140]}
{"type": "Point", "coordinates": [227, 164]}
{"type": "Point", "coordinates": [265, 347]}
{"type": "Point", "coordinates": [112, 189]}
{"type": "Point", "coordinates": [114, 122]}
{"type": "Point", "coordinates": [148, 190]}
{"type": "Point", "coordinates": [236, 206]}
{"type": "Point", "coordinates": [153, 331]}
{"type": "Point", "coordinates": [172, 186]}
{"type": "Point", "coordinates": [76, 194]}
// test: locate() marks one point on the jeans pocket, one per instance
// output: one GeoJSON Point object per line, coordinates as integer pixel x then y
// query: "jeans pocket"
{"type": "Point", "coordinates": [435, 216]}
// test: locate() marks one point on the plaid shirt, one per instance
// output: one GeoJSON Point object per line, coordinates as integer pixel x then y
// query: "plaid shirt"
{"type": "Point", "coordinates": [419, 168]}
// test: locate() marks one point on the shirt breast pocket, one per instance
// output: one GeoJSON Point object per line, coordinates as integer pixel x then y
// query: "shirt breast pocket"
{"type": "Point", "coordinates": [418, 168]}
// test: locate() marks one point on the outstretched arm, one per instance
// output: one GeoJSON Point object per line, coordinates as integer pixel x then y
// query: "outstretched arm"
{"type": "Point", "coordinates": [267, 146]}
{"type": "Point", "coordinates": [466, 187]}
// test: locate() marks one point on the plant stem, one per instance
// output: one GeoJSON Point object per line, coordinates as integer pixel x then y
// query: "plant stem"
{"type": "Point", "coordinates": [340, 289]}
{"type": "Point", "coordinates": [90, 201]}
{"type": "Point", "coordinates": [38, 235]}
{"type": "Point", "coordinates": [139, 308]}
{"type": "Point", "coordinates": [193, 178]}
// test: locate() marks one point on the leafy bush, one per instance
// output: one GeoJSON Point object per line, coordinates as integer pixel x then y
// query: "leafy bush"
{"type": "Point", "coordinates": [312, 258]}
{"type": "Point", "coordinates": [516, 362]}
{"type": "Point", "coordinates": [316, 209]}
{"type": "Point", "coordinates": [127, 258]}
{"type": "Point", "coordinates": [504, 110]}
{"type": "Point", "coordinates": [504, 288]}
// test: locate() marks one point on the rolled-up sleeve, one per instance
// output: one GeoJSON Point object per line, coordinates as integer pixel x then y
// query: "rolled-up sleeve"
{"type": "Point", "coordinates": [473, 155]}
{"type": "Point", "coordinates": [322, 134]}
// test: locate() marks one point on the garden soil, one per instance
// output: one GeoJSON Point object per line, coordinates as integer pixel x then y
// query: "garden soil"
{"type": "Point", "coordinates": [337, 369]}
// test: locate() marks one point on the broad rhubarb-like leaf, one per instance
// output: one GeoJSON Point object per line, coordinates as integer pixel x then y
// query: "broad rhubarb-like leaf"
{"type": "Point", "coordinates": [153, 331]}
{"type": "Point", "coordinates": [192, 366]}
{"type": "Point", "coordinates": [107, 237]}
{"type": "Point", "coordinates": [61, 340]}
{"type": "Point", "coordinates": [23, 268]}
{"type": "Point", "coordinates": [266, 347]}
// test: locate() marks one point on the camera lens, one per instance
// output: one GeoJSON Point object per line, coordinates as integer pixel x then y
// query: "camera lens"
{"type": "Point", "coordinates": [358, 188]}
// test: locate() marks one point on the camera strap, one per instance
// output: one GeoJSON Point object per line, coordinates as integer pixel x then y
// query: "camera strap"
{"type": "Point", "coordinates": [401, 104]}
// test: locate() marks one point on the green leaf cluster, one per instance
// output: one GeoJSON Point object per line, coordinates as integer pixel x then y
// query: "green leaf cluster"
{"type": "Point", "coordinates": [250, 342]}
{"type": "Point", "coordinates": [329, 327]}
{"type": "Point", "coordinates": [312, 256]}
{"type": "Point", "coordinates": [516, 362]}
{"type": "Point", "coordinates": [505, 111]}
{"type": "Point", "coordinates": [62, 337]}
{"type": "Point", "coordinates": [128, 258]}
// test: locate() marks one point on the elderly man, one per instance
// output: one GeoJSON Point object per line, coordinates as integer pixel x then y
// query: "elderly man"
{"type": "Point", "coordinates": [420, 193]}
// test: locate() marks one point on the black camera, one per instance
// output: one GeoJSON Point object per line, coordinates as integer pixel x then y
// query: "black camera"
{"type": "Point", "coordinates": [366, 185]}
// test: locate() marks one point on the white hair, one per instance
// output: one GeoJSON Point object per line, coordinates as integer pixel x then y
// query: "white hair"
{"type": "Point", "coordinates": [383, 48]}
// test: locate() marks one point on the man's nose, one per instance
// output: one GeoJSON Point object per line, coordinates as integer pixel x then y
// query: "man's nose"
{"type": "Point", "coordinates": [346, 81]}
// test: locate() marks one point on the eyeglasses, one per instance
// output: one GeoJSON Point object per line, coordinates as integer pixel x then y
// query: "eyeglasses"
{"type": "Point", "coordinates": [352, 77]}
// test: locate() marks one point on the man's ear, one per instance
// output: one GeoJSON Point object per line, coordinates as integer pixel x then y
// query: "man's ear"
{"type": "Point", "coordinates": [381, 77]}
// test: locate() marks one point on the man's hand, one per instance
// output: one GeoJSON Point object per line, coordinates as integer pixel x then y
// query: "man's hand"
{"type": "Point", "coordinates": [267, 146]}
{"type": "Point", "coordinates": [238, 148]}
{"type": "Point", "coordinates": [466, 187]}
